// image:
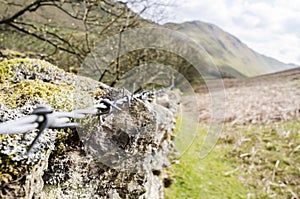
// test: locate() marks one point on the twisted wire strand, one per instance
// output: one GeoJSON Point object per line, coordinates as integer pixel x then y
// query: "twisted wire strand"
{"type": "Point", "coordinates": [44, 117]}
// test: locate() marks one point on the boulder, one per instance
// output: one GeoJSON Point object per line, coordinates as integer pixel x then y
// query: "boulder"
{"type": "Point", "coordinates": [123, 154]}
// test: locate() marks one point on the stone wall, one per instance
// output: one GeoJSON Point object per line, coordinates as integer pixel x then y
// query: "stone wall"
{"type": "Point", "coordinates": [121, 155]}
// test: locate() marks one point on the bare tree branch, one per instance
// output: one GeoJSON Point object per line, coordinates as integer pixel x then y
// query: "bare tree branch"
{"type": "Point", "coordinates": [86, 13]}
{"type": "Point", "coordinates": [31, 7]}
{"type": "Point", "coordinates": [60, 38]}
{"type": "Point", "coordinates": [95, 19]}
{"type": "Point", "coordinates": [44, 39]}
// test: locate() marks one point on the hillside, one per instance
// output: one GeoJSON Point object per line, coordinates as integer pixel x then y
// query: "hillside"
{"type": "Point", "coordinates": [270, 98]}
{"type": "Point", "coordinates": [257, 154]}
{"type": "Point", "coordinates": [227, 51]}
{"type": "Point", "coordinates": [233, 57]}
{"type": "Point", "coordinates": [61, 32]}
{"type": "Point", "coordinates": [67, 14]}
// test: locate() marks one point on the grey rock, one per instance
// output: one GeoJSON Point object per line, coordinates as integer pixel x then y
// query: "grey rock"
{"type": "Point", "coordinates": [122, 155]}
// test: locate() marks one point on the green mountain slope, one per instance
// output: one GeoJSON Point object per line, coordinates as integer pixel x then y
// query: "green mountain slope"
{"type": "Point", "coordinates": [227, 51]}
{"type": "Point", "coordinates": [233, 57]}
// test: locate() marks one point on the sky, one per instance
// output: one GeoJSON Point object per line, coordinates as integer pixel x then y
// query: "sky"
{"type": "Point", "coordinates": [270, 27]}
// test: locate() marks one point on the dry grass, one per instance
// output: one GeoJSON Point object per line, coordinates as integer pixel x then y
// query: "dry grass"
{"type": "Point", "coordinates": [260, 143]}
{"type": "Point", "coordinates": [259, 100]}
{"type": "Point", "coordinates": [267, 157]}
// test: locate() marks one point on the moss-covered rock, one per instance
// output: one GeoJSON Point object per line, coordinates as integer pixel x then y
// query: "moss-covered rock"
{"type": "Point", "coordinates": [117, 156]}
{"type": "Point", "coordinates": [25, 83]}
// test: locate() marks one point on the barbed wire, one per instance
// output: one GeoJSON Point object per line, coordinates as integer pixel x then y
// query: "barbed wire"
{"type": "Point", "coordinates": [44, 117]}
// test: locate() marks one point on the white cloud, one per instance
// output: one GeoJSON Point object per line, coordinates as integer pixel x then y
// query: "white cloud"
{"type": "Point", "coordinates": [269, 27]}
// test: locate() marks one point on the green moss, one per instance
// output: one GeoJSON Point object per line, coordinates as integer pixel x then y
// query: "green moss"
{"type": "Point", "coordinates": [65, 140]}
{"type": "Point", "coordinates": [10, 169]}
{"type": "Point", "coordinates": [13, 95]}
{"type": "Point", "coordinates": [8, 67]}
{"type": "Point", "coordinates": [22, 80]}
{"type": "Point", "coordinates": [2, 137]}
{"type": "Point", "coordinates": [16, 95]}
{"type": "Point", "coordinates": [5, 72]}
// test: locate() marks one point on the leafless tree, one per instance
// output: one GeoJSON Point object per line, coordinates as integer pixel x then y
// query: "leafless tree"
{"type": "Point", "coordinates": [91, 19]}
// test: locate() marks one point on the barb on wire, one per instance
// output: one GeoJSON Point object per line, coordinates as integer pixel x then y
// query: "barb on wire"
{"type": "Point", "coordinates": [43, 121]}
{"type": "Point", "coordinates": [44, 117]}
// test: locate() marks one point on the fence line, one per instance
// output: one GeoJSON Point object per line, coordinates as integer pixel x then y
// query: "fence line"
{"type": "Point", "coordinates": [44, 116]}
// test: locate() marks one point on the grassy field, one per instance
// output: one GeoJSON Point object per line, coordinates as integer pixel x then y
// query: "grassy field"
{"type": "Point", "coordinates": [257, 161]}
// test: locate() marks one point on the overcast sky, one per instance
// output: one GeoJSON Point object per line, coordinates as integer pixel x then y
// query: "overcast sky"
{"type": "Point", "coordinates": [270, 27]}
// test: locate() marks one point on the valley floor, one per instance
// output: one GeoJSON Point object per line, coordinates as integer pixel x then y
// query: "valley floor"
{"type": "Point", "coordinates": [258, 153]}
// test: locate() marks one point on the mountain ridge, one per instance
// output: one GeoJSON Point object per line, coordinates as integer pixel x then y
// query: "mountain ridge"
{"type": "Point", "coordinates": [228, 51]}
{"type": "Point", "coordinates": [233, 57]}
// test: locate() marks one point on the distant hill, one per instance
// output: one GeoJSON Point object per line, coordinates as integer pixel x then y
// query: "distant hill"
{"type": "Point", "coordinates": [233, 57]}
{"type": "Point", "coordinates": [228, 52]}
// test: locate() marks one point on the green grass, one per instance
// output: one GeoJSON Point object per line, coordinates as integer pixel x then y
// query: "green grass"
{"type": "Point", "coordinates": [247, 162]}
{"type": "Point", "coordinates": [211, 177]}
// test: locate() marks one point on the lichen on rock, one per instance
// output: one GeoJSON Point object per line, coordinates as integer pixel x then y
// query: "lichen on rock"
{"type": "Point", "coordinates": [117, 157]}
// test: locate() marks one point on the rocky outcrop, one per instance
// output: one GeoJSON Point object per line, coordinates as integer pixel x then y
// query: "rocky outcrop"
{"type": "Point", "coordinates": [120, 155]}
